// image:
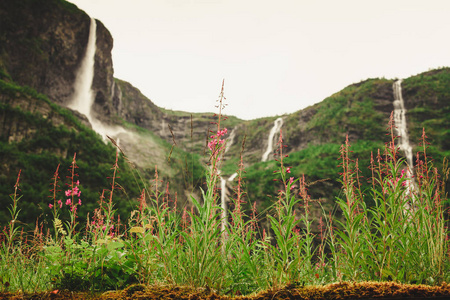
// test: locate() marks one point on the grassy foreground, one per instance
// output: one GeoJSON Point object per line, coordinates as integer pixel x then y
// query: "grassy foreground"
{"type": "Point", "coordinates": [207, 251]}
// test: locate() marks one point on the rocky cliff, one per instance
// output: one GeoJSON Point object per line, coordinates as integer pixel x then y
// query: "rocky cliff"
{"type": "Point", "coordinates": [42, 44]}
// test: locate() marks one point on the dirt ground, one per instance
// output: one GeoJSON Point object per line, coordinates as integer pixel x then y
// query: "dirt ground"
{"type": "Point", "coordinates": [342, 290]}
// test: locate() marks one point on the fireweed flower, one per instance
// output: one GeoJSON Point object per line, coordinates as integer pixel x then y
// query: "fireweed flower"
{"type": "Point", "coordinates": [288, 170]}
{"type": "Point", "coordinates": [50, 205]}
{"type": "Point", "coordinates": [75, 191]}
{"type": "Point", "coordinates": [68, 202]}
{"type": "Point", "coordinates": [222, 132]}
{"type": "Point", "coordinates": [60, 203]}
{"type": "Point", "coordinates": [215, 139]}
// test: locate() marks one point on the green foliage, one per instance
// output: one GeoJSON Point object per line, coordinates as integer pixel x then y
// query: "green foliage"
{"type": "Point", "coordinates": [83, 266]}
{"type": "Point", "coordinates": [317, 163]}
{"type": "Point", "coordinates": [429, 92]}
{"type": "Point", "coordinates": [45, 147]}
{"type": "Point", "coordinates": [350, 111]}
{"type": "Point", "coordinates": [402, 237]}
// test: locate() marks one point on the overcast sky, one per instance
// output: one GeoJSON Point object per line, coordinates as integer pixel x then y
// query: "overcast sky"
{"type": "Point", "coordinates": [275, 56]}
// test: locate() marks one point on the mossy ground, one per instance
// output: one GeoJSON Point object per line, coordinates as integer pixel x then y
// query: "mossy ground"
{"type": "Point", "coordinates": [342, 290]}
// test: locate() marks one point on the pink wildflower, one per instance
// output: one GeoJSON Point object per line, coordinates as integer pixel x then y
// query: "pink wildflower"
{"type": "Point", "coordinates": [212, 145]}
{"type": "Point", "coordinates": [288, 170]}
{"type": "Point", "coordinates": [68, 192]}
{"type": "Point", "coordinates": [291, 179]}
{"type": "Point", "coordinates": [215, 139]}
{"type": "Point", "coordinates": [222, 132]}
{"type": "Point", "coordinates": [50, 205]}
{"type": "Point", "coordinates": [60, 203]}
{"type": "Point", "coordinates": [68, 202]}
{"type": "Point", "coordinates": [79, 201]}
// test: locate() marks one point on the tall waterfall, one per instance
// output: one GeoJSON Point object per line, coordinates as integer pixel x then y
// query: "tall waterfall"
{"type": "Point", "coordinates": [400, 123]}
{"type": "Point", "coordinates": [404, 145]}
{"type": "Point", "coordinates": [83, 97]}
{"type": "Point", "coordinates": [276, 128]}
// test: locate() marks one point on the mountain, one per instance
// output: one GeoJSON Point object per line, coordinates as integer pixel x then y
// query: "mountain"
{"type": "Point", "coordinates": [43, 44]}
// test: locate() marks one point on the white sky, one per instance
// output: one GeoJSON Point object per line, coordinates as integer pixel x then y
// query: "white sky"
{"type": "Point", "coordinates": [275, 56]}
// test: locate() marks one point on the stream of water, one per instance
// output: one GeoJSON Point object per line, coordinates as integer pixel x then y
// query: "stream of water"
{"type": "Point", "coordinates": [276, 128]}
{"type": "Point", "coordinates": [404, 145]}
{"type": "Point", "coordinates": [83, 97]}
{"type": "Point", "coordinates": [401, 125]}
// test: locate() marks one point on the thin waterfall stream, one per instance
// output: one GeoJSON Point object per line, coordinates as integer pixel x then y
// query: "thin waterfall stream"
{"type": "Point", "coordinates": [402, 133]}
{"type": "Point", "coordinates": [276, 128]}
{"type": "Point", "coordinates": [400, 123]}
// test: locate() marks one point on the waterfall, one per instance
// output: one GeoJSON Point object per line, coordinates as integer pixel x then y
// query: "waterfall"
{"type": "Point", "coordinates": [400, 123]}
{"type": "Point", "coordinates": [230, 141]}
{"type": "Point", "coordinates": [404, 145]}
{"type": "Point", "coordinates": [276, 128]}
{"type": "Point", "coordinates": [83, 97]}
{"type": "Point", "coordinates": [223, 198]}
{"type": "Point", "coordinates": [233, 176]}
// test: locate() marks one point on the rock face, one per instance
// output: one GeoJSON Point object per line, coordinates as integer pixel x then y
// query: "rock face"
{"type": "Point", "coordinates": [136, 108]}
{"type": "Point", "coordinates": [105, 106]}
{"type": "Point", "coordinates": [42, 44]}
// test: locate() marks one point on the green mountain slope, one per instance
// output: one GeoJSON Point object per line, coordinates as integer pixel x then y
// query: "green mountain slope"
{"type": "Point", "coordinates": [36, 135]}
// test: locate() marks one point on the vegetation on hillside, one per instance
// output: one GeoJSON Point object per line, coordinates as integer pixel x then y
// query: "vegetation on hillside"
{"type": "Point", "coordinates": [45, 146]}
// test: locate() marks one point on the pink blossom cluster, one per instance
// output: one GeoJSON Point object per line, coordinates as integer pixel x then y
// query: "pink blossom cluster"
{"type": "Point", "coordinates": [215, 139]}
{"type": "Point", "coordinates": [75, 192]}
